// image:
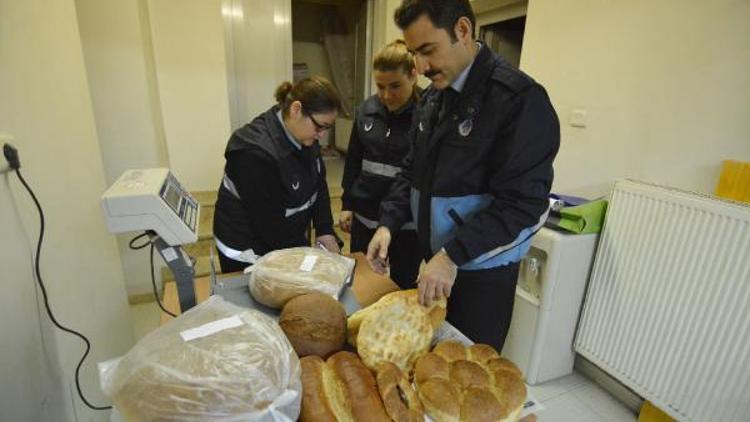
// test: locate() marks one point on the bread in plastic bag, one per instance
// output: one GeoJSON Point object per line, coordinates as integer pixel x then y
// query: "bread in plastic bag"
{"type": "Point", "coordinates": [248, 372]}
{"type": "Point", "coordinates": [283, 274]}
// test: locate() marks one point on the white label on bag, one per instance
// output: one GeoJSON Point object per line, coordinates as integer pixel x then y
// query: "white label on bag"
{"type": "Point", "coordinates": [211, 328]}
{"type": "Point", "coordinates": [308, 263]}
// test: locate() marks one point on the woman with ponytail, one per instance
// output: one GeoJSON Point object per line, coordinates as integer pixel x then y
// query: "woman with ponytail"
{"type": "Point", "coordinates": [274, 182]}
{"type": "Point", "coordinates": [377, 148]}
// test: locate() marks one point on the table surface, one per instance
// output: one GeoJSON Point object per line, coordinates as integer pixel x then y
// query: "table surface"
{"type": "Point", "coordinates": [367, 286]}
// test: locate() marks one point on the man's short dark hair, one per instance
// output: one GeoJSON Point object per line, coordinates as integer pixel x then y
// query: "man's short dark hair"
{"type": "Point", "coordinates": [443, 14]}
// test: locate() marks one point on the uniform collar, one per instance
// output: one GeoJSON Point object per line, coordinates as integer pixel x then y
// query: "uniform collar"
{"type": "Point", "coordinates": [373, 105]}
{"type": "Point", "coordinates": [458, 84]}
{"type": "Point", "coordinates": [289, 136]}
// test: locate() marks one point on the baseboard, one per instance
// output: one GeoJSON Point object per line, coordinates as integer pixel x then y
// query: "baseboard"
{"type": "Point", "coordinates": [137, 299]}
{"type": "Point", "coordinates": [617, 389]}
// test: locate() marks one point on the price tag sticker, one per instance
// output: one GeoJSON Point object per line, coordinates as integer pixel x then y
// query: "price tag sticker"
{"type": "Point", "coordinates": [308, 263]}
{"type": "Point", "coordinates": [211, 328]}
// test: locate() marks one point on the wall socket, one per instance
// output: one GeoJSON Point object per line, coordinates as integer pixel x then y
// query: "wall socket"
{"type": "Point", "coordinates": [5, 138]}
{"type": "Point", "coordinates": [578, 118]}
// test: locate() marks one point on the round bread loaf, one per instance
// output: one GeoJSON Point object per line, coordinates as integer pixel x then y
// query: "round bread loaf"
{"type": "Point", "coordinates": [315, 324]}
{"type": "Point", "coordinates": [280, 275]}
{"type": "Point", "coordinates": [395, 329]}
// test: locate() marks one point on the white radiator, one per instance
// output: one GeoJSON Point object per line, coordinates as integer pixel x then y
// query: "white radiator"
{"type": "Point", "coordinates": [667, 311]}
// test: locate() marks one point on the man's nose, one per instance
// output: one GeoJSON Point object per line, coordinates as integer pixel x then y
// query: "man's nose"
{"type": "Point", "coordinates": [422, 65]}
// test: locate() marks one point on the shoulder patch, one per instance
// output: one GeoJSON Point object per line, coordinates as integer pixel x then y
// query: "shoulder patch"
{"type": "Point", "coordinates": [512, 78]}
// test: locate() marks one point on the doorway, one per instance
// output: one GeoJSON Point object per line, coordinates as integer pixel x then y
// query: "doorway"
{"type": "Point", "coordinates": [505, 38]}
{"type": "Point", "coordinates": [329, 38]}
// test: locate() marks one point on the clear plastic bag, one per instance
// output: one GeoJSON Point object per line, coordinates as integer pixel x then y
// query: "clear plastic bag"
{"type": "Point", "coordinates": [280, 275]}
{"type": "Point", "coordinates": [238, 367]}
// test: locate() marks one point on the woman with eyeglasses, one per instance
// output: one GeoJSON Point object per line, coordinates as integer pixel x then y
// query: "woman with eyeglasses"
{"type": "Point", "coordinates": [378, 145]}
{"type": "Point", "coordinates": [274, 182]}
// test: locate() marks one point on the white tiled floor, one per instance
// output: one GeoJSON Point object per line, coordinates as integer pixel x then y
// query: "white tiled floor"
{"type": "Point", "coordinates": [575, 398]}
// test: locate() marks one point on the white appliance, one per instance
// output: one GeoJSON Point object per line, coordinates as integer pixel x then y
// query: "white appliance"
{"type": "Point", "coordinates": [551, 283]}
{"type": "Point", "coordinates": [152, 199]}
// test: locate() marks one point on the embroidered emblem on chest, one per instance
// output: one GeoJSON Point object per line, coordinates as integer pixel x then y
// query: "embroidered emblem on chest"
{"type": "Point", "coordinates": [464, 129]}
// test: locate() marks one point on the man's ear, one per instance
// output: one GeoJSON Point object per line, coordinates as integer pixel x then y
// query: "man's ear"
{"type": "Point", "coordinates": [463, 29]}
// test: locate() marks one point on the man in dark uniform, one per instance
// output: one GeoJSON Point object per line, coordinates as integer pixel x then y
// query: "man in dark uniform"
{"type": "Point", "coordinates": [479, 173]}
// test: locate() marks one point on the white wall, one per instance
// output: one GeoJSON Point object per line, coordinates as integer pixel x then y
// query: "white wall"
{"type": "Point", "coordinates": [189, 53]}
{"type": "Point", "coordinates": [46, 105]}
{"type": "Point", "coordinates": [119, 63]}
{"type": "Point", "coordinates": [665, 84]}
{"type": "Point", "coordinates": [259, 54]}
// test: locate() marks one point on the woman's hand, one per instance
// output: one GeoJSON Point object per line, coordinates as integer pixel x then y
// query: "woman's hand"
{"type": "Point", "coordinates": [345, 221]}
{"type": "Point", "coordinates": [328, 241]}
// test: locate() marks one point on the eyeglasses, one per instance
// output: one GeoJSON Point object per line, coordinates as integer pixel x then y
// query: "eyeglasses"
{"type": "Point", "coordinates": [319, 128]}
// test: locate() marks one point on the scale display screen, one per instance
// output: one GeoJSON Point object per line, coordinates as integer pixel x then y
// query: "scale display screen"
{"type": "Point", "coordinates": [172, 197]}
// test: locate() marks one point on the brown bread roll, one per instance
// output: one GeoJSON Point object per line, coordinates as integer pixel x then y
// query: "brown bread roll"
{"type": "Point", "coordinates": [315, 324]}
{"type": "Point", "coordinates": [431, 365]}
{"type": "Point", "coordinates": [400, 399]}
{"type": "Point", "coordinates": [341, 389]}
{"type": "Point", "coordinates": [441, 399]}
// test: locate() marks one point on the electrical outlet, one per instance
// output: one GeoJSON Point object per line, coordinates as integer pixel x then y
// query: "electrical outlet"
{"type": "Point", "coordinates": [5, 138]}
{"type": "Point", "coordinates": [578, 118]}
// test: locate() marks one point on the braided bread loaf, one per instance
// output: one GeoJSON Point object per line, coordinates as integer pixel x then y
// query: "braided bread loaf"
{"type": "Point", "coordinates": [459, 383]}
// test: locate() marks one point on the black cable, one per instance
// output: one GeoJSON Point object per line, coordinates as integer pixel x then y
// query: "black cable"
{"type": "Point", "coordinates": [153, 284]}
{"type": "Point", "coordinates": [46, 299]}
{"type": "Point", "coordinates": [133, 240]}
{"type": "Point", "coordinates": [153, 277]}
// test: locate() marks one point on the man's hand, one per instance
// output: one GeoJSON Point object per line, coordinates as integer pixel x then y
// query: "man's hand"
{"type": "Point", "coordinates": [329, 242]}
{"type": "Point", "coordinates": [437, 278]}
{"type": "Point", "coordinates": [345, 221]}
{"type": "Point", "coordinates": [377, 250]}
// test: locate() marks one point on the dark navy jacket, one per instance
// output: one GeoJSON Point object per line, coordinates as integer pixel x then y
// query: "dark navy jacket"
{"type": "Point", "coordinates": [377, 147]}
{"type": "Point", "coordinates": [478, 179]}
{"type": "Point", "coordinates": [271, 191]}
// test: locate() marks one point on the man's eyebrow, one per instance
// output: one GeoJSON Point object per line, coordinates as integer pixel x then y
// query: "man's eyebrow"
{"type": "Point", "coordinates": [422, 47]}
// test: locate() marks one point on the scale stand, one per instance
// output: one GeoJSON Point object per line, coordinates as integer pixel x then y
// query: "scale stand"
{"type": "Point", "coordinates": [182, 268]}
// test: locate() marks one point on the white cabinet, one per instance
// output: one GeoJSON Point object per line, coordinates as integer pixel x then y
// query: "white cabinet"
{"type": "Point", "coordinates": [551, 284]}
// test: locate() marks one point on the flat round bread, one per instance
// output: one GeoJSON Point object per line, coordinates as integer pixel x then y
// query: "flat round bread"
{"type": "Point", "coordinates": [397, 333]}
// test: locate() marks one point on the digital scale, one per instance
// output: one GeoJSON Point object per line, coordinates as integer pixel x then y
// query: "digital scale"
{"type": "Point", "coordinates": [152, 200]}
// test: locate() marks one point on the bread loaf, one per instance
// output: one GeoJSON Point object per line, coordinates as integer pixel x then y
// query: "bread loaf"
{"type": "Point", "coordinates": [283, 274]}
{"type": "Point", "coordinates": [341, 389]}
{"type": "Point", "coordinates": [400, 399]}
{"type": "Point", "coordinates": [395, 329]}
{"type": "Point", "coordinates": [459, 383]}
{"type": "Point", "coordinates": [315, 324]}
{"type": "Point", "coordinates": [217, 361]}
